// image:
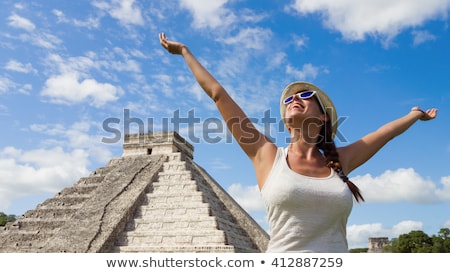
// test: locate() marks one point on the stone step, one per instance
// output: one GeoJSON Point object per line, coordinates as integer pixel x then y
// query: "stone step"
{"type": "Point", "coordinates": [175, 157]}
{"type": "Point", "coordinates": [114, 161]}
{"type": "Point", "coordinates": [173, 187]}
{"type": "Point", "coordinates": [31, 224]}
{"type": "Point", "coordinates": [50, 213]}
{"type": "Point", "coordinates": [59, 206]}
{"type": "Point", "coordinates": [168, 197]}
{"type": "Point", "coordinates": [165, 194]}
{"type": "Point", "coordinates": [174, 166]}
{"type": "Point", "coordinates": [66, 200]}
{"type": "Point", "coordinates": [175, 182]}
{"type": "Point", "coordinates": [33, 233]}
{"type": "Point", "coordinates": [78, 190]}
{"type": "Point", "coordinates": [156, 223]}
{"type": "Point", "coordinates": [172, 237]}
{"type": "Point", "coordinates": [175, 249]}
{"type": "Point", "coordinates": [26, 242]}
{"type": "Point", "coordinates": [101, 172]}
{"type": "Point", "coordinates": [111, 166]}
{"type": "Point", "coordinates": [229, 224]}
{"type": "Point", "coordinates": [89, 181]}
{"type": "Point", "coordinates": [180, 218]}
{"type": "Point", "coordinates": [173, 205]}
{"type": "Point", "coordinates": [155, 211]}
{"type": "Point", "coordinates": [174, 176]}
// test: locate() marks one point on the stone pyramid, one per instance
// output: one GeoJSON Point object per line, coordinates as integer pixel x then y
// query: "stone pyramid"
{"type": "Point", "coordinates": [154, 198]}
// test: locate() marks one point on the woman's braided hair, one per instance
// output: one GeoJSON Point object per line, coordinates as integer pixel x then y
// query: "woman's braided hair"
{"type": "Point", "coordinates": [327, 145]}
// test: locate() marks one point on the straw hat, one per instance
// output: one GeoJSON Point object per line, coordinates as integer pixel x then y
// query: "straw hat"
{"type": "Point", "coordinates": [296, 87]}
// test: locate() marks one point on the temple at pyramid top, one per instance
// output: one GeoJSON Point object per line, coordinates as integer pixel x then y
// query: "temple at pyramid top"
{"type": "Point", "coordinates": [156, 143]}
{"type": "Point", "coordinates": [154, 198]}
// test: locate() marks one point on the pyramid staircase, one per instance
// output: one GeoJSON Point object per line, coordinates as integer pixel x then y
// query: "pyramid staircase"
{"type": "Point", "coordinates": [183, 214]}
{"type": "Point", "coordinates": [154, 198]}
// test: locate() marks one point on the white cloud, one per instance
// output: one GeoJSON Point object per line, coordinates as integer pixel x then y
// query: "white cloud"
{"type": "Point", "coordinates": [38, 171]}
{"type": "Point", "coordinates": [40, 38]}
{"type": "Point", "coordinates": [308, 71]}
{"type": "Point", "coordinates": [209, 14]}
{"type": "Point", "coordinates": [405, 227]}
{"type": "Point", "coordinates": [402, 185]}
{"type": "Point", "coordinates": [70, 88]}
{"type": "Point", "coordinates": [61, 160]}
{"type": "Point", "coordinates": [385, 19]}
{"type": "Point", "coordinates": [250, 38]}
{"type": "Point", "coordinates": [20, 22]}
{"type": "Point", "coordinates": [19, 6]}
{"type": "Point", "coordinates": [358, 235]}
{"type": "Point", "coordinates": [60, 15]}
{"type": "Point", "coordinates": [276, 59]}
{"type": "Point", "coordinates": [46, 40]}
{"type": "Point", "coordinates": [422, 36]}
{"type": "Point", "coordinates": [446, 224]}
{"type": "Point", "coordinates": [444, 194]}
{"type": "Point", "coordinates": [123, 10]}
{"type": "Point", "coordinates": [214, 14]}
{"type": "Point", "coordinates": [14, 65]}
{"type": "Point", "coordinates": [75, 137]}
{"type": "Point", "coordinates": [6, 85]}
{"type": "Point", "coordinates": [72, 81]}
{"type": "Point", "coordinates": [90, 23]}
{"type": "Point", "coordinates": [248, 197]}
{"type": "Point", "coordinates": [300, 42]}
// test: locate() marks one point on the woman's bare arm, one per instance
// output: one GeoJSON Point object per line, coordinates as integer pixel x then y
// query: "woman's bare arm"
{"type": "Point", "coordinates": [258, 147]}
{"type": "Point", "coordinates": [355, 154]}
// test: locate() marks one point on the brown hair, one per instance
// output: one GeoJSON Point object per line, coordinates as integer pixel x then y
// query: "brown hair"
{"type": "Point", "coordinates": [327, 145]}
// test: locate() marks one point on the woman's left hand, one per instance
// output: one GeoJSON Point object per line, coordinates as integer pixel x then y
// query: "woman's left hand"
{"type": "Point", "coordinates": [429, 114]}
{"type": "Point", "coordinates": [426, 115]}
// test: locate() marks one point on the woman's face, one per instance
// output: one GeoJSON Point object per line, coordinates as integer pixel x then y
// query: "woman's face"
{"type": "Point", "coordinates": [302, 109]}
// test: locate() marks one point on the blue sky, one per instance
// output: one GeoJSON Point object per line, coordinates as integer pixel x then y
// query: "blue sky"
{"type": "Point", "coordinates": [68, 69]}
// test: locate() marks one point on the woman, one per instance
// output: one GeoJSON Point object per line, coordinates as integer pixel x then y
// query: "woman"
{"type": "Point", "coordinates": [307, 194]}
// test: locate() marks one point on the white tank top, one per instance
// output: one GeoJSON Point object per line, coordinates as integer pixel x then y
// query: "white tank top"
{"type": "Point", "coordinates": [305, 214]}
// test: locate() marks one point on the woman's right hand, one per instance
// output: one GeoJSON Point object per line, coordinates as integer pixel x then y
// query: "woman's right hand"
{"type": "Point", "coordinates": [171, 46]}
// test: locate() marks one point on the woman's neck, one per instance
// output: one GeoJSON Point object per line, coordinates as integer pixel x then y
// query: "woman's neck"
{"type": "Point", "coordinates": [304, 149]}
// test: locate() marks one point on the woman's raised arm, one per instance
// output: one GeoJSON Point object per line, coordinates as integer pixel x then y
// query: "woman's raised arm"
{"type": "Point", "coordinates": [258, 147]}
{"type": "Point", "coordinates": [355, 154]}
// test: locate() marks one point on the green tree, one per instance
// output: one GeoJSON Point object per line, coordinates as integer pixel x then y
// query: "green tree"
{"type": "Point", "coordinates": [358, 250]}
{"type": "Point", "coordinates": [415, 241]}
{"type": "Point", "coordinates": [392, 247]}
{"type": "Point", "coordinates": [418, 241]}
{"type": "Point", "coordinates": [445, 234]}
{"type": "Point", "coordinates": [441, 241]}
{"type": "Point", "coordinates": [6, 218]}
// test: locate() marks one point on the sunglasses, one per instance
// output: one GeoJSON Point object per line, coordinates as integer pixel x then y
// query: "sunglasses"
{"type": "Point", "coordinates": [304, 95]}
